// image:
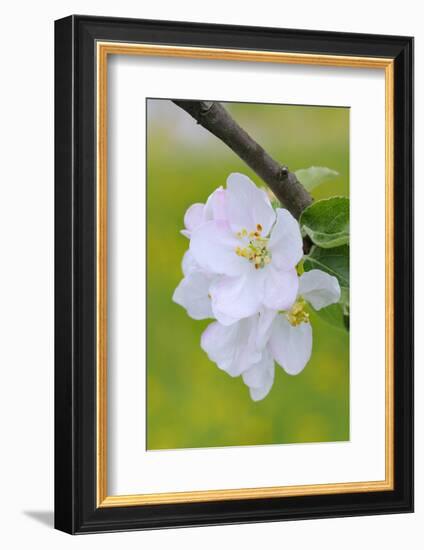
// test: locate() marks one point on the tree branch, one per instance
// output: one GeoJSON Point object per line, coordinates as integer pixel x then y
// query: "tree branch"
{"type": "Point", "coordinates": [283, 183]}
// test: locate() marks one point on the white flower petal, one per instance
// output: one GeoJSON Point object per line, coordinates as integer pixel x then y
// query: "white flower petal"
{"type": "Point", "coordinates": [248, 205]}
{"type": "Point", "coordinates": [224, 318]}
{"type": "Point", "coordinates": [213, 246]}
{"type": "Point", "coordinates": [231, 348]}
{"type": "Point", "coordinates": [189, 264]}
{"type": "Point", "coordinates": [260, 377]}
{"type": "Point", "coordinates": [193, 294]}
{"type": "Point", "coordinates": [257, 394]}
{"type": "Point", "coordinates": [237, 297]}
{"type": "Point", "coordinates": [216, 206]}
{"type": "Point", "coordinates": [291, 346]}
{"type": "Point", "coordinates": [281, 288]}
{"type": "Point", "coordinates": [319, 288]}
{"type": "Point", "coordinates": [285, 243]}
{"type": "Point", "coordinates": [194, 216]}
{"type": "Point", "coordinates": [263, 330]}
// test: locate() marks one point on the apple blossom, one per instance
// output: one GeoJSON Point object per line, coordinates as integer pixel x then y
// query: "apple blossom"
{"type": "Point", "coordinates": [250, 346]}
{"type": "Point", "coordinates": [252, 250]}
{"type": "Point", "coordinates": [240, 269]}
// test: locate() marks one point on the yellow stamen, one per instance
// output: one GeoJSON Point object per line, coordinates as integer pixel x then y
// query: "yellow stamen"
{"type": "Point", "coordinates": [297, 315]}
{"type": "Point", "coordinates": [256, 250]}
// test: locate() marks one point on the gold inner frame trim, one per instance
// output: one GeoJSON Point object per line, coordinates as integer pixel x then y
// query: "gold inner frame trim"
{"type": "Point", "coordinates": [104, 49]}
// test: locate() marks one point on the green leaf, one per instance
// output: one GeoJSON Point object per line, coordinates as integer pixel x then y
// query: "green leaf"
{"type": "Point", "coordinates": [334, 261]}
{"type": "Point", "coordinates": [314, 176]}
{"type": "Point", "coordinates": [327, 222]}
{"type": "Point", "coordinates": [333, 315]}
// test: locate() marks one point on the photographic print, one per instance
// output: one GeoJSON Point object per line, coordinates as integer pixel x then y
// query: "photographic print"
{"type": "Point", "coordinates": [225, 352]}
{"type": "Point", "coordinates": [247, 284]}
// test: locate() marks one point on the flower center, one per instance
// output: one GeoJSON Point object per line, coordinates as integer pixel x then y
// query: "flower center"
{"type": "Point", "coordinates": [256, 251]}
{"type": "Point", "coordinates": [297, 313]}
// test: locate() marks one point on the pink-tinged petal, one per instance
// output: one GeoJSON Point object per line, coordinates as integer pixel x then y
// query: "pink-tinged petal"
{"type": "Point", "coordinates": [237, 297]}
{"type": "Point", "coordinates": [285, 243]}
{"type": "Point", "coordinates": [216, 206]}
{"type": "Point", "coordinates": [189, 264]}
{"type": "Point", "coordinates": [231, 348]}
{"type": "Point", "coordinates": [281, 288]}
{"type": "Point", "coordinates": [248, 206]}
{"type": "Point", "coordinates": [193, 295]}
{"type": "Point", "coordinates": [213, 246]}
{"type": "Point", "coordinates": [319, 288]}
{"type": "Point", "coordinates": [291, 346]}
{"type": "Point", "coordinates": [194, 216]}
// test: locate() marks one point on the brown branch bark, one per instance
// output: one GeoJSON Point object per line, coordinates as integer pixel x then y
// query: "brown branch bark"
{"type": "Point", "coordinates": [283, 183]}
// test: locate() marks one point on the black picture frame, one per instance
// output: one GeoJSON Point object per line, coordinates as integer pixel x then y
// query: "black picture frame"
{"type": "Point", "coordinates": [76, 510]}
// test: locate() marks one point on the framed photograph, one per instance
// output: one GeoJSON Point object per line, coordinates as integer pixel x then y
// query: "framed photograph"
{"type": "Point", "coordinates": [234, 274]}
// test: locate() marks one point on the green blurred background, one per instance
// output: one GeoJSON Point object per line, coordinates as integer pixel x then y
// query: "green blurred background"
{"type": "Point", "coordinates": [190, 402]}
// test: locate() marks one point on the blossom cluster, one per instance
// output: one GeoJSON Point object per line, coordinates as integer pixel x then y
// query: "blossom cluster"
{"type": "Point", "coordinates": [241, 270]}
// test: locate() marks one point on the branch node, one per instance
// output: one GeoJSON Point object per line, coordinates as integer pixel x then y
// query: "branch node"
{"type": "Point", "coordinates": [284, 172]}
{"type": "Point", "coordinates": [205, 107]}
